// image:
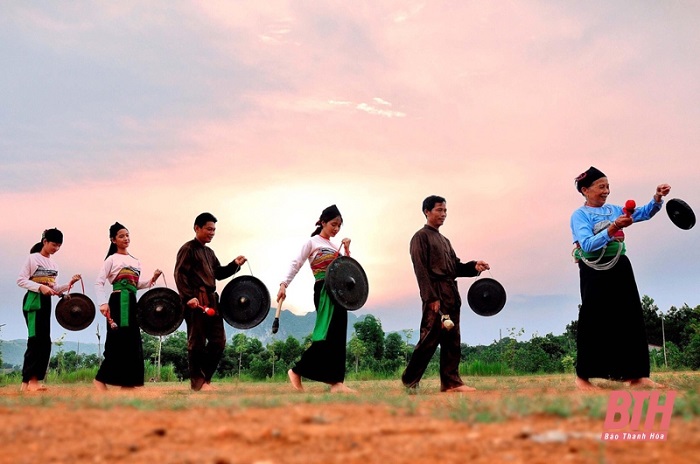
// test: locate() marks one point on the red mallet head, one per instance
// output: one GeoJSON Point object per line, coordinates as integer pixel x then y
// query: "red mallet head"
{"type": "Point", "coordinates": [630, 205]}
{"type": "Point", "coordinates": [207, 310]}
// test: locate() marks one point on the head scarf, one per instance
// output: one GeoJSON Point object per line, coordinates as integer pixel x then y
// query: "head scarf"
{"type": "Point", "coordinates": [586, 179]}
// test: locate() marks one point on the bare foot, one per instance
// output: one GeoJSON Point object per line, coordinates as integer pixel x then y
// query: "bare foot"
{"type": "Point", "coordinates": [340, 387]}
{"type": "Point", "coordinates": [645, 382]}
{"type": "Point", "coordinates": [585, 385]}
{"type": "Point", "coordinates": [34, 386]}
{"type": "Point", "coordinates": [207, 387]}
{"type": "Point", "coordinates": [460, 389]}
{"type": "Point", "coordinates": [296, 380]}
{"type": "Point", "coordinates": [23, 387]}
{"type": "Point", "coordinates": [100, 386]}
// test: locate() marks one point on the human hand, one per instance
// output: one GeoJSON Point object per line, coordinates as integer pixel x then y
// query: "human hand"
{"type": "Point", "coordinates": [346, 245]}
{"type": "Point", "coordinates": [75, 278]}
{"type": "Point", "coordinates": [193, 303]}
{"type": "Point", "coordinates": [104, 309]}
{"type": "Point", "coordinates": [623, 221]}
{"type": "Point", "coordinates": [46, 290]}
{"type": "Point", "coordinates": [157, 273]}
{"type": "Point", "coordinates": [482, 266]}
{"type": "Point", "coordinates": [240, 260]}
{"type": "Point", "coordinates": [282, 293]}
{"type": "Point", "coordinates": [661, 191]}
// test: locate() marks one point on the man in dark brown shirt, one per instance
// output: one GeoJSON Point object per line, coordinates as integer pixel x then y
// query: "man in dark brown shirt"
{"type": "Point", "coordinates": [196, 271]}
{"type": "Point", "coordinates": [436, 266]}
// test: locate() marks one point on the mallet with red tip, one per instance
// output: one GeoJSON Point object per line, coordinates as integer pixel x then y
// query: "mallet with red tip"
{"type": "Point", "coordinates": [207, 310]}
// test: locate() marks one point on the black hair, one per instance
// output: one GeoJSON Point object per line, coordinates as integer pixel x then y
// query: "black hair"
{"type": "Point", "coordinates": [50, 235]}
{"type": "Point", "coordinates": [202, 219]}
{"type": "Point", "coordinates": [113, 230]}
{"type": "Point", "coordinates": [429, 203]}
{"type": "Point", "coordinates": [328, 214]}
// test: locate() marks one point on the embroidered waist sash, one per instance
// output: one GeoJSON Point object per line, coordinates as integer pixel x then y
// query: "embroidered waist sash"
{"type": "Point", "coordinates": [125, 288]}
{"type": "Point", "coordinates": [612, 250]}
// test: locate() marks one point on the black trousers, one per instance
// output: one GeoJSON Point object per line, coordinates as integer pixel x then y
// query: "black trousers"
{"type": "Point", "coordinates": [324, 361]}
{"type": "Point", "coordinates": [206, 340]}
{"type": "Point", "coordinates": [38, 353]}
{"type": "Point", "coordinates": [123, 355]}
{"type": "Point", "coordinates": [433, 335]}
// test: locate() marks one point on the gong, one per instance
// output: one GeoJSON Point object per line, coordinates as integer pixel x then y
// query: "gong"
{"type": "Point", "coordinates": [680, 213]}
{"type": "Point", "coordinates": [486, 297]}
{"type": "Point", "coordinates": [159, 311]}
{"type": "Point", "coordinates": [347, 283]}
{"type": "Point", "coordinates": [245, 302]}
{"type": "Point", "coordinates": [75, 311]}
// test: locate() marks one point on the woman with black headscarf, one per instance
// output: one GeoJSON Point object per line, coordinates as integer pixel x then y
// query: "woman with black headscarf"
{"type": "Point", "coordinates": [324, 360]}
{"type": "Point", "coordinates": [39, 277]}
{"type": "Point", "coordinates": [123, 355]}
{"type": "Point", "coordinates": [611, 340]}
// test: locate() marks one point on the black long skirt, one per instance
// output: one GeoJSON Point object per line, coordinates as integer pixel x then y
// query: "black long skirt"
{"type": "Point", "coordinates": [123, 356]}
{"type": "Point", "coordinates": [324, 361]}
{"type": "Point", "coordinates": [611, 341]}
{"type": "Point", "coordinates": [38, 353]}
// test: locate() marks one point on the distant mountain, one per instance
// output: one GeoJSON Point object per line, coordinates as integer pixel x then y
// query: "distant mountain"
{"type": "Point", "coordinates": [13, 350]}
{"type": "Point", "coordinates": [290, 324]}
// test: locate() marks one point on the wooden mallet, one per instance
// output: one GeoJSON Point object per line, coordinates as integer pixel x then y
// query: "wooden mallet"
{"type": "Point", "coordinates": [276, 322]}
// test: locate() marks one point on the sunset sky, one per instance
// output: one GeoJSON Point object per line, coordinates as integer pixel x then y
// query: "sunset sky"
{"type": "Point", "coordinates": [264, 113]}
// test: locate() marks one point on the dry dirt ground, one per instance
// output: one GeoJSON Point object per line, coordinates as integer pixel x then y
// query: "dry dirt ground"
{"type": "Point", "coordinates": [510, 420]}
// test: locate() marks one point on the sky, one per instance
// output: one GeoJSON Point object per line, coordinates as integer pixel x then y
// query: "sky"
{"type": "Point", "coordinates": [264, 113]}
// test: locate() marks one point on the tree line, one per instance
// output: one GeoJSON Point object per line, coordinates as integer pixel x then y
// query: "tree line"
{"type": "Point", "coordinates": [373, 354]}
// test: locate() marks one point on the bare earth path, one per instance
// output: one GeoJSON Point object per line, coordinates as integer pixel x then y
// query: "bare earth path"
{"type": "Point", "coordinates": [539, 419]}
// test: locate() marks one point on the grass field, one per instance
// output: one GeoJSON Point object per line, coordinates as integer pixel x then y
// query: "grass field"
{"type": "Point", "coordinates": [509, 419]}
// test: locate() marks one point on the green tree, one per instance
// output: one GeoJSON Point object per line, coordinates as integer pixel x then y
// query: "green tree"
{"type": "Point", "coordinates": [357, 348]}
{"type": "Point", "coordinates": [509, 346]}
{"type": "Point", "coordinates": [678, 324]}
{"type": "Point", "coordinates": [150, 347]}
{"type": "Point", "coordinates": [572, 330]}
{"type": "Point", "coordinates": [369, 330]}
{"type": "Point", "coordinates": [1, 363]}
{"type": "Point", "coordinates": [652, 321]}
{"type": "Point", "coordinates": [70, 361]}
{"type": "Point", "coordinates": [59, 355]}
{"type": "Point", "coordinates": [292, 350]}
{"type": "Point", "coordinates": [239, 344]}
{"type": "Point", "coordinates": [275, 351]}
{"type": "Point", "coordinates": [408, 348]}
{"type": "Point", "coordinates": [240, 354]}
{"type": "Point", "coordinates": [393, 346]}
{"type": "Point", "coordinates": [393, 352]}
{"type": "Point", "coordinates": [174, 352]}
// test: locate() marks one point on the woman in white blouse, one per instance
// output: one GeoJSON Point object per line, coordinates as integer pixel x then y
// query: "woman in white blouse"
{"type": "Point", "coordinates": [123, 355]}
{"type": "Point", "coordinates": [39, 277]}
